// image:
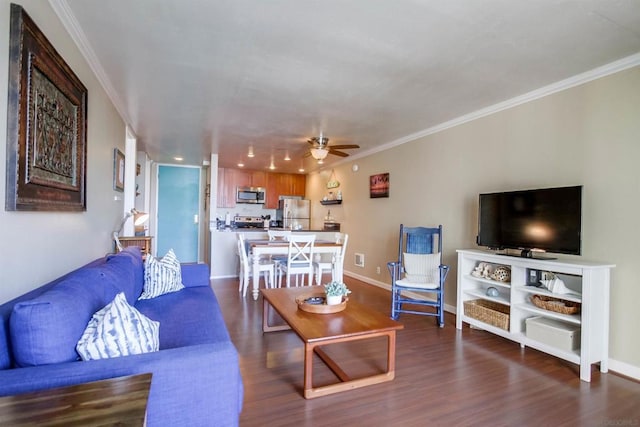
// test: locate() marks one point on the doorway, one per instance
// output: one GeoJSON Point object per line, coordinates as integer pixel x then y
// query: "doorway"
{"type": "Point", "coordinates": [178, 211]}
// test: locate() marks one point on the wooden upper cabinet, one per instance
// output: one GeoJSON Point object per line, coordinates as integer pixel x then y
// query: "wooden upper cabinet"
{"type": "Point", "coordinates": [272, 186]}
{"type": "Point", "coordinates": [283, 184]}
{"type": "Point", "coordinates": [240, 178]}
{"type": "Point", "coordinates": [298, 187]}
{"type": "Point", "coordinates": [228, 180]}
{"type": "Point", "coordinates": [276, 184]}
{"type": "Point", "coordinates": [258, 179]}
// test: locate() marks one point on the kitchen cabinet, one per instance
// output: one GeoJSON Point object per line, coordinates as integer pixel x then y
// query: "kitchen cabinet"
{"type": "Point", "coordinates": [229, 179]}
{"type": "Point", "coordinates": [283, 184]}
{"type": "Point", "coordinates": [258, 178]}
{"type": "Point", "coordinates": [298, 185]}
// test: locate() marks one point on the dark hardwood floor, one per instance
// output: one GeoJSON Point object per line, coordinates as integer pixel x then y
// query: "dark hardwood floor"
{"type": "Point", "coordinates": [443, 377]}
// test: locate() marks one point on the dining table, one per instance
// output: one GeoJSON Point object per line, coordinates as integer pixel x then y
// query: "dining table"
{"type": "Point", "coordinates": [262, 248]}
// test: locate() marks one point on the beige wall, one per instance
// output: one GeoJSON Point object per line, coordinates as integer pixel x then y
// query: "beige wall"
{"type": "Point", "coordinates": [587, 135]}
{"type": "Point", "coordinates": [36, 247]}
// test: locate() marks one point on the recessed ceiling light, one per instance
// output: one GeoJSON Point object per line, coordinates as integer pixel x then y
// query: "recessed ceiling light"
{"type": "Point", "coordinates": [179, 159]}
{"type": "Point", "coordinates": [240, 165]}
{"type": "Point", "coordinates": [301, 170]}
{"type": "Point", "coordinates": [286, 157]}
{"type": "Point", "coordinates": [272, 166]}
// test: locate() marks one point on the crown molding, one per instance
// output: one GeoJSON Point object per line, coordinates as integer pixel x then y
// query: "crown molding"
{"type": "Point", "coordinates": [62, 9]}
{"type": "Point", "coordinates": [577, 80]}
{"type": "Point", "coordinates": [70, 23]}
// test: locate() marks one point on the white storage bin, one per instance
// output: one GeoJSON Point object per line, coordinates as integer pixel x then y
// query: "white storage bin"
{"type": "Point", "coordinates": [556, 333]}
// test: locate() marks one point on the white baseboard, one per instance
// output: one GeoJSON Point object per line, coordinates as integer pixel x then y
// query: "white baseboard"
{"type": "Point", "coordinates": [621, 368]}
{"type": "Point", "coordinates": [625, 369]}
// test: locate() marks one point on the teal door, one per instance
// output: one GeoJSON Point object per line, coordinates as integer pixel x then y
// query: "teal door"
{"type": "Point", "coordinates": [178, 211]}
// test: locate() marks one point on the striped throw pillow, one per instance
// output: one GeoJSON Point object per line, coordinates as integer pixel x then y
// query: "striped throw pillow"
{"type": "Point", "coordinates": [118, 330]}
{"type": "Point", "coordinates": [161, 276]}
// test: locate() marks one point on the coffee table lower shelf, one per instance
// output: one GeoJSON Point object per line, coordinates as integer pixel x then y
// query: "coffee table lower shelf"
{"type": "Point", "coordinates": [358, 322]}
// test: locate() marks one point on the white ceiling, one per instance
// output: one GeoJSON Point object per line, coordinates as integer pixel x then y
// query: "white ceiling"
{"type": "Point", "coordinates": [195, 77]}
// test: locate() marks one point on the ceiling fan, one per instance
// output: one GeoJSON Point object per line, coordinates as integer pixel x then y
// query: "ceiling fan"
{"type": "Point", "coordinates": [320, 148]}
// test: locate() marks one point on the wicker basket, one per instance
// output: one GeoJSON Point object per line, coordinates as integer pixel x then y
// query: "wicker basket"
{"type": "Point", "coordinates": [488, 312]}
{"type": "Point", "coordinates": [556, 304]}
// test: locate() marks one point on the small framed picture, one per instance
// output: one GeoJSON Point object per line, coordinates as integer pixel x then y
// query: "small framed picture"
{"type": "Point", "coordinates": [118, 170]}
{"type": "Point", "coordinates": [379, 185]}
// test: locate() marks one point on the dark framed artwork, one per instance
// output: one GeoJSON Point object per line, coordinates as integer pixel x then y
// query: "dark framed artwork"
{"type": "Point", "coordinates": [379, 185]}
{"type": "Point", "coordinates": [118, 170]}
{"type": "Point", "coordinates": [46, 124]}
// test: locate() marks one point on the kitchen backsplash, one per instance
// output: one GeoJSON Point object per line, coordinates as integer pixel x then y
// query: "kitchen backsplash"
{"type": "Point", "coordinates": [245, 210]}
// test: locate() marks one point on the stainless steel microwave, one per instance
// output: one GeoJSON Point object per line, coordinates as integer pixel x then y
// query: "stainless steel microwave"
{"type": "Point", "coordinates": [250, 195]}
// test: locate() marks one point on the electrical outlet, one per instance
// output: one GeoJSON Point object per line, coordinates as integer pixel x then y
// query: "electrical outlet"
{"type": "Point", "coordinates": [378, 269]}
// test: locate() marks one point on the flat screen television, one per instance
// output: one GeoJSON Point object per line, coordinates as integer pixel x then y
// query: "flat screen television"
{"type": "Point", "coordinates": [547, 219]}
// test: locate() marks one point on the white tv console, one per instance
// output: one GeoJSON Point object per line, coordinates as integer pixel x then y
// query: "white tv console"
{"type": "Point", "coordinates": [591, 278]}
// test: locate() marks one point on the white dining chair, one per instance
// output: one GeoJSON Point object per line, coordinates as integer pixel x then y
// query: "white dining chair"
{"type": "Point", "coordinates": [279, 234]}
{"type": "Point", "coordinates": [299, 259]}
{"type": "Point", "coordinates": [246, 268]}
{"type": "Point", "coordinates": [325, 262]}
{"type": "Point", "coordinates": [278, 259]}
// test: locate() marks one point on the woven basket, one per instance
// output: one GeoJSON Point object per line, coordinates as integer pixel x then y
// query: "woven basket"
{"type": "Point", "coordinates": [488, 312]}
{"type": "Point", "coordinates": [556, 304]}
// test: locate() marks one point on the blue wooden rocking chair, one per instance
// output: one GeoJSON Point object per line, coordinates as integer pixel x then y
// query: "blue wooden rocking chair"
{"type": "Point", "coordinates": [418, 270]}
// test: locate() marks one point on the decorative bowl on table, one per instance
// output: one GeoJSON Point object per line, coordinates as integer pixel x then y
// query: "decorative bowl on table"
{"type": "Point", "coordinates": [316, 303]}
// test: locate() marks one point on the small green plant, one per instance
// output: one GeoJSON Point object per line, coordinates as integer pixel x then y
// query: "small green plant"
{"type": "Point", "coordinates": [336, 289]}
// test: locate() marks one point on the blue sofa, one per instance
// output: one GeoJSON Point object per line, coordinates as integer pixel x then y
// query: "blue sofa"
{"type": "Point", "coordinates": [196, 376]}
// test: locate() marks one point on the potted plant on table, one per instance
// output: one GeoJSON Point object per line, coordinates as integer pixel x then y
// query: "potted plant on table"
{"type": "Point", "coordinates": [335, 291]}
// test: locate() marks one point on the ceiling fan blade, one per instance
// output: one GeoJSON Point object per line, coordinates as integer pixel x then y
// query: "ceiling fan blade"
{"type": "Point", "coordinates": [338, 153]}
{"type": "Point", "coordinates": [307, 154]}
{"type": "Point", "coordinates": [342, 147]}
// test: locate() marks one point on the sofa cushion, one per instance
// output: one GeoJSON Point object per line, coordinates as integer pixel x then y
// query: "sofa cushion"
{"type": "Point", "coordinates": [118, 272]}
{"type": "Point", "coordinates": [118, 330]}
{"type": "Point", "coordinates": [189, 317]}
{"type": "Point", "coordinates": [46, 329]}
{"type": "Point", "coordinates": [161, 276]}
{"type": "Point", "coordinates": [134, 254]}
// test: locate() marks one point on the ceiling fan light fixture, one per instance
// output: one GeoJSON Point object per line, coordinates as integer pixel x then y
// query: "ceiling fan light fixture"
{"type": "Point", "coordinates": [319, 153]}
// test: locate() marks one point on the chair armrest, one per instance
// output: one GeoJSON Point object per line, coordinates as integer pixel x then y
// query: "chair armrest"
{"type": "Point", "coordinates": [195, 274]}
{"type": "Point", "coordinates": [444, 271]}
{"type": "Point", "coordinates": [395, 268]}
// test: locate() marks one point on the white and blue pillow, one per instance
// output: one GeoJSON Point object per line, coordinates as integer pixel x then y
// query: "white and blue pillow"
{"type": "Point", "coordinates": [161, 276]}
{"type": "Point", "coordinates": [116, 330]}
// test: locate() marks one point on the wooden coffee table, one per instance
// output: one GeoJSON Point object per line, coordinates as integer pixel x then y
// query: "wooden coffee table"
{"type": "Point", "coordinates": [356, 322]}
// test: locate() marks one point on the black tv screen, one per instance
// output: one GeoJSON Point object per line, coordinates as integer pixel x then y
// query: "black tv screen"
{"type": "Point", "coordinates": [548, 219]}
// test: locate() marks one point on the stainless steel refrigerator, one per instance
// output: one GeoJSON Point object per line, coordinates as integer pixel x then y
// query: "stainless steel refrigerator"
{"type": "Point", "coordinates": [294, 214]}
